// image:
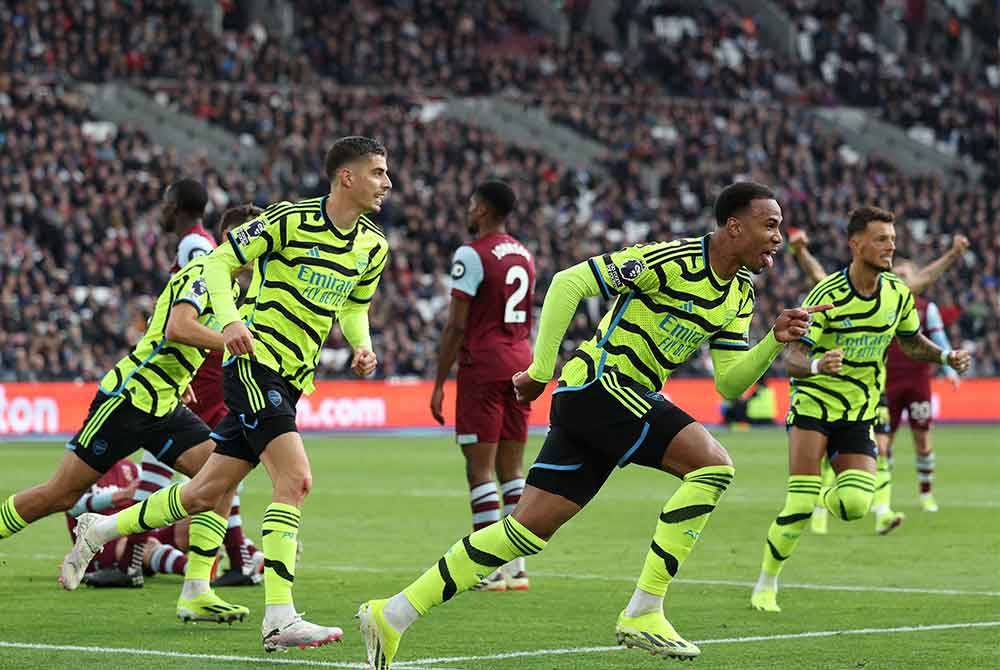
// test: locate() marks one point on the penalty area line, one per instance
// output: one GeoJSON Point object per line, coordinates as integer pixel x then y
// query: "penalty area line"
{"type": "Point", "coordinates": [125, 651]}
{"type": "Point", "coordinates": [426, 662]}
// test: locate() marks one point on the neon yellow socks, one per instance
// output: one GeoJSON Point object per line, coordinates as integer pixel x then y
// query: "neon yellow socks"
{"type": "Point", "coordinates": [850, 499]}
{"type": "Point", "coordinates": [680, 525]}
{"type": "Point", "coordinates": [280, 532]}
{"type": "Point", "coordinates": [10, 521]}
{"type": "Point", "coordinates": [206, 534]}
{"type": "Point", "coordinates": [471, 559]}
{"type": "Point", "coordinates": [785, 530]}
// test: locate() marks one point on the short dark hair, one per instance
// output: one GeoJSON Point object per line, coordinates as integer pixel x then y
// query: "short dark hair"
{"type": "Point", "coordinates": [237, 216]}
{"type": "Point", "coordinates": [498, 196]}
{"type": "Point", "coordinates": [191, 196]}
{"type": "Point", "coordinates": [737, 197]}
{"type": "Point", "coordinates": [859, 218]}
{"type": "Point", "coordinates": [347, 149]}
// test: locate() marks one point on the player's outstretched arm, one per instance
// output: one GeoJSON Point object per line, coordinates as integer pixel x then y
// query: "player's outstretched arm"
{"type": "Point", "coordinates": [798, 244]}
{"type": "Point", "coordinates": [926, 276]}
{"type": "Point", "coordinates": [451, 341]}
{"type": "Point", "coordinates": [183, 327]}
{"type": "Point", "coordinates": [920, 348]}
{"type": "Point", "coordinates": [568, 288]}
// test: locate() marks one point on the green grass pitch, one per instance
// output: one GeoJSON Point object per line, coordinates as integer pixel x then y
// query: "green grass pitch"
{"type": "Point", "coordinates": [385, 508]}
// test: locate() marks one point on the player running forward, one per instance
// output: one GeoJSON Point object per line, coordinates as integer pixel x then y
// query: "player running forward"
{"type": "Point", "coordinates": [838, 371]}
{"type": "Point", "coordinates": [122, 563]}
{"type": "Point", "coordinates": [182, 212]}
{"type": "Point", "coordinates": [488, 330]}
{"type": "Point", "coordinates": [607, 412]}
{"type": "Point", "coordinates": [139, 405]}
{"type": "Point", "coordinates": [315, 262]}
{"type": "Point", "coordinates": [900, 378]}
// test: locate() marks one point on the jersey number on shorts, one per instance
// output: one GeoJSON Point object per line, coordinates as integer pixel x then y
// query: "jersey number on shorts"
{"type": "Point", "coordinates": [516, 274]}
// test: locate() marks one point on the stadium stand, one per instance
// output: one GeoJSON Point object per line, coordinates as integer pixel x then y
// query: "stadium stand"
{"type": "Point", "coordinates": [78, 232]}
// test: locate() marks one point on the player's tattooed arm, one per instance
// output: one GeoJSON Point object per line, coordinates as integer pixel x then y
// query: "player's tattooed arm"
{"type": "Point", "coordinates": [800, 363]}
{"type": "Point", "coordinates": [920, 348]}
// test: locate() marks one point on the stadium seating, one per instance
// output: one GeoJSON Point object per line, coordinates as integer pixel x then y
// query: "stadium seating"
{"type": "Point", "coordinates": [82, 215]}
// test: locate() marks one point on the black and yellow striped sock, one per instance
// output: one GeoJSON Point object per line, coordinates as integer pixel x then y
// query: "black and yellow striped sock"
{"type": "Point", "coordinates": [683, 518]}
{"type": "Point", "coordinates": [471, 559]}
{"type": "Point", "coordinates": [851, 498]}
{"type": "Point", "coordinates": [157, 511]}
{"type": "Point", "coordinates": [206, 534]}
{"type": "Point", "coordinates": [10, 521]}
{"type": "Point", "coordinates": [783, 535]}
{"type": "Point", "coordinates": [280, 532]}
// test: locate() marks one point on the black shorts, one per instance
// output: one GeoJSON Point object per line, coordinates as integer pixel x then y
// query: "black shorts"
{"type": "Point", "coordinates": [115, 428]}
{"type": "Point", "coordinates": [883, 424]}
{"type": "Point", "coordinates": [611, 422]}
{"type": "Point", "coordinates": [842, 437]}
{"type": "Point", "coordinates": [261, 407]}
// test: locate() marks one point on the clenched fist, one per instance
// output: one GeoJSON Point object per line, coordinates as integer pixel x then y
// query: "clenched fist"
{"type": "Point", "coordinates": [832, 362]}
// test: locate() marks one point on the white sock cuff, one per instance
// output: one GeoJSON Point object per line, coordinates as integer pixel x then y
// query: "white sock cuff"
{"type": "Point", "coordinates": [487, 517]}
{"type": "Point", "coordinates": [513, 485]}
{"type": "Point", "coordinates": [484, 493]}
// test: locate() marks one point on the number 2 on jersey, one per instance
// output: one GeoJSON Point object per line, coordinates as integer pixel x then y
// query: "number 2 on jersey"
{"type": "Point", "coordinates": [516, 274]}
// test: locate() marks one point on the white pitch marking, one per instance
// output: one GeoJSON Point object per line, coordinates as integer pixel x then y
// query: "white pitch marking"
{"type": "Point", "coordinates": [708, 582]}
{"type": "Point", "coordinates": [423, 662]}
{"type": "Point", "coordinates": [204, 657]}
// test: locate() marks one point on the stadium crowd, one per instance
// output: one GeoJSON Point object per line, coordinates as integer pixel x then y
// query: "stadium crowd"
{"type": "Point", "coordinates": [82, 258]}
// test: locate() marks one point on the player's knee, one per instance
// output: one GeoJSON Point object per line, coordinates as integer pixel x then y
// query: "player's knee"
{"type": "Point", "coordinates": [200, 497]}
{"type": "Point", "coordinates": [293, 488]}
{"type": "Point", "coordinates": [62, 500]}
{"type": "Point", "coordinates": [717, 454]}
{"type": "Point", "coordinates": [854, 503]}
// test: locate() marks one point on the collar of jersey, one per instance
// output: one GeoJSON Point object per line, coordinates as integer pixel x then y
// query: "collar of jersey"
{"type": "Point", "coordinates": [332, 226]}
{"type": "Point", "coordinates": [717, 281]}
{"type": "Point", "coordinates": [857, 294]}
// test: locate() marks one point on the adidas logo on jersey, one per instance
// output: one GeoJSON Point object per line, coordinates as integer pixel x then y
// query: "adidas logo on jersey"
{"type": "Point", "coordinates": [846, 323]}
{"type": "Point", "coordinates": [314, 252]}
{"type": "Point", "coordinates": [688, 307]}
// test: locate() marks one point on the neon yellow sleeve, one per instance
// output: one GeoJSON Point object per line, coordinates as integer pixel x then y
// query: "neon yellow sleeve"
{"type": "Point", "coordinates": [353, 320]}
{"type": "Point", "coordinates": [736, 371]}
{"type": "Point", "coordinates": [218, 273]}
{"type": "Point", "coordinates": [568, 288]}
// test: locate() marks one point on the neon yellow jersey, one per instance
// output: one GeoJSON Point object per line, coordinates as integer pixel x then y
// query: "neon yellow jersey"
{"type": "Point", "coordinates": [669, 302]}
{"type": "Point", "coordinates": [863, 328]}
{"type": "Point", "coordinates": [156, 372]}
{"type": "Point", "coordinates": [307, 273]}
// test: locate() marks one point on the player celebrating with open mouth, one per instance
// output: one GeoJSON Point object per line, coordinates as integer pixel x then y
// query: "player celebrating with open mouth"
{"type": "Point", "coordinates": [607, 412]}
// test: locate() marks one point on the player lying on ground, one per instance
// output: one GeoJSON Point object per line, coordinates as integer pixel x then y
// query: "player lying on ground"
{"type": "Point", "coordinates": [607, 411]}
{"type": "Point", "coordinates": [838, 371]}
{"type": "Point", "coordinates": [907, 385]}
{"type": "Point", "coordinates": [489, 331]}
{"type": "Point", "coordinates": [126, 562]}
{"type": "Point", "coordinates": [323, 259]}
